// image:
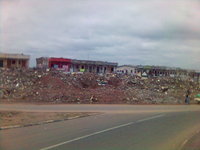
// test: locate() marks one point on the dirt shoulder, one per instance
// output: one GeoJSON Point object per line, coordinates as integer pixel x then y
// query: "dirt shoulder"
{"type": "Point", "coordinates": [193, 143]}
{"type": "Point", "coordinates": [16, 118]}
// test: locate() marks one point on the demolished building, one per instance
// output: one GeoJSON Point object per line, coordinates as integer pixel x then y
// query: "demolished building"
{"type": "Point", "coordinates": [14, 60]}
{"type": "Point", "coordinates": [158, 71]}
{"type": "Point", "coordinates": [74, 65]}
{"type": "Point", "coordinates": [162, 71]}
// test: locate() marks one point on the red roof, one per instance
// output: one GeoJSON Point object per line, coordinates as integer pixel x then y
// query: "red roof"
{"type": "Point", "coordinates": [59, 59]}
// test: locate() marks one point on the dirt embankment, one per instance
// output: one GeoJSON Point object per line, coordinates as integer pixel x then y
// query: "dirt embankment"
{"type": "Point", "coordinates": [13, 118]}
{"type": "Point", "coordinates": [58, 87]}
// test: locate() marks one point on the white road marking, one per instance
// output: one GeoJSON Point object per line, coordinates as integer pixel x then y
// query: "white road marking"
{"type": "Point", "coordinates": [187, 140]}
{"type": "Point", "coordinates": [102, 131]}
{"type": "Point", "coordinates": [150, 118]}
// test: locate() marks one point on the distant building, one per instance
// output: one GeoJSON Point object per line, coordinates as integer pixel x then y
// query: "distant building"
{"type": "Point", "coordinates": [52, 62]}
{"type": "Point", "coordinates": [42, 62]}
{"type": "Point", "coordinates": [126, 69]}
{"type": "Point", "coordinates": [14, 60]}
{"type": "Point", "coordinates": [158, 71]}
{"type": "Point", "coordinates": [162, 71]}
{"type": "Point", "coordinates": [93, 66]}
{"type": "Point", "coordinates": [74, 65]}
{"type": "Point", "coordinates": [195, 75]}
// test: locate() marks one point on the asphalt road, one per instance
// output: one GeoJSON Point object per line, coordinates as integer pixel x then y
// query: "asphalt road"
{"type": "Point", "coordinates": [117, 127]}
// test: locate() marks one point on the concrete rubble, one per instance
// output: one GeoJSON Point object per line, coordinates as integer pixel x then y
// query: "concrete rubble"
{"type": "Point", "coordinates": [50, 86]}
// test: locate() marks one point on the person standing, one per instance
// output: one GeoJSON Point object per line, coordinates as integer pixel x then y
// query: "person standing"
{"type": "Point", "coordinates": [187, 97]}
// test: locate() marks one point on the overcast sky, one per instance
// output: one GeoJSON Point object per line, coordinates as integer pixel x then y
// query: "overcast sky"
{"type": "Point", "coordinates": [154, 32]}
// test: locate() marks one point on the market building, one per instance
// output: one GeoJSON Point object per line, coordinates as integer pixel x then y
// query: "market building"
{"type": "Point", "coordinates": [74, 65]}
{"type": "Point", "coordinates": [14, 60]}
{"type": "Point", "coordinates": [93, 66]}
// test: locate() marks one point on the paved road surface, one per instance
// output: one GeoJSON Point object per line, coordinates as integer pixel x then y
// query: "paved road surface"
{"type": "Point", "coordinates": [120, 127]}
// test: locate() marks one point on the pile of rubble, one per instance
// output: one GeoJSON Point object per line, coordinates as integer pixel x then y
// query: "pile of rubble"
{"type": "Point", "coordinates": [59, 87]}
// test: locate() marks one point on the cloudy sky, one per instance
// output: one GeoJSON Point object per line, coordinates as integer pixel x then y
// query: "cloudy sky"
{"type": "Point", "coordinates": [154, 32]}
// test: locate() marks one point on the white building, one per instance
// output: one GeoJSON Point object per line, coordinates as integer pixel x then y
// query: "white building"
{"type": "Point", "coordinates": [126, 69]}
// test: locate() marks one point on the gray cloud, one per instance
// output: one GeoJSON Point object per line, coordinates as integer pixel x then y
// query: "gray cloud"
{"type": "Point", "coordinates": [154, 32]}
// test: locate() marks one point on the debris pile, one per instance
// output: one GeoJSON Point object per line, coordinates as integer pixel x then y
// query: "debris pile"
{"type": "Point", "coordinates": [58, 87]}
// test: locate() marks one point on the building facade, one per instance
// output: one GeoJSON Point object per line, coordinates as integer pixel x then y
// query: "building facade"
{"type": "Point", "coordinates": [159, 71]}
{"type": "Point", "coordinates": [14, 60]}
{"type": "Point", "coordinates": [74, 65]}
{"type": "Point", "coordinates": [52, 62]}
{"type": "Point", "coordinates": [93, 66]}
{"type": "Point", "coordinates": [126, 69]}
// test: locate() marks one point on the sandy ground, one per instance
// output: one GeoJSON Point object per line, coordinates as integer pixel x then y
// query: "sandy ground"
{"type": "Point", "coordinates": [10, 118]}
{"type": "Point", "coordinates": [193, 143]}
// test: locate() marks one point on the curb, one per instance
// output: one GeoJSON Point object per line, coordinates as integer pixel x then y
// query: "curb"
{"type": "Point", "coordinates": [44, 122]}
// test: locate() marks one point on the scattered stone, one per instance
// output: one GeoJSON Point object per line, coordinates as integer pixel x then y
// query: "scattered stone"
{"type": "Point", "coordinates": [59, 87]}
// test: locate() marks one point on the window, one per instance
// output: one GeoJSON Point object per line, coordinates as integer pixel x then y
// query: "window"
{"type": "Point", "coordinates": [13, 62]}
